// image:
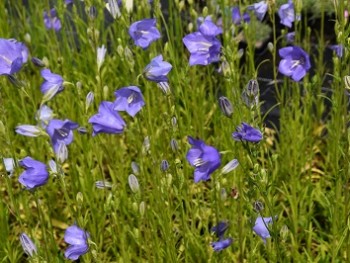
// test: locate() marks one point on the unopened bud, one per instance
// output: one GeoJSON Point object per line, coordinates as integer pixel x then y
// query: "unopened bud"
{"type": "Point", "coordinates": [38, 62]}
{"type": "Point", "coordinates": [347, 82]}
{"type": "Point", "coordinates": [225, 106]}
{"type": "Point", "coordinates": [164, 165]}
{"type": "Point", "coordinates": [133, 183]}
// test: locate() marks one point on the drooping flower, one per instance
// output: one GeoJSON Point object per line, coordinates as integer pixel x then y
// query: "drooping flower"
{"type": "Point", "coordinates": [61, 131]}
{"type": "Point", "coordinates": [157, 70]}
{"type": "Point", "coordinates": [206, 159]}
{"type": "Point", "coordinates": [259, 9]}
{"type": "Point", "coordinates": [220, 229]}
{"type": "Point", "coordinates": [28, 245]}
{"type": "Point", "coordinates": [52, 85]}
{"type": "Point", "coordinates": [129, 99]}
{"type": "Point", "coordinates": [203, 44]}
{"type": "Point", "coordinates": [260, 227]}
{"type": "Point", "coordinates": [12, 56]}
{"type": "Point", "coordinates": [221, 244]}
{"type": "Point", "coordinates": [237, 18]}
{"type": "Point", "coordinates": [338, 49]}
{"type": "Point", "coordinates": [77, 238]}
{"type": "Point", "coordinates": [51, 20]}
{"type": "Point", "coordinates": [144, 32]}
{"type": "Point", "coordinates": [107, 120]}
{"type": "Point", "coordinates": [295, 62]}
{"type": "Point", "coordinates": [247, 133]}
{"type": "Point", "coordinates": [35, 175]}
{"type": "Point", "coordinates": [287, 14]}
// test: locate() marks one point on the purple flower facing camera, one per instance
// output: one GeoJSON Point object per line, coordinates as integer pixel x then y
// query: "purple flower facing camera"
{"type": "Point", "coordinates": [260, 227]}
{"type": "Point", "coordinates": [12, 56]}
{"type": "Point", "coordinates": [144, 32]}
{"type": "Point", "coordinates": [157, 70]}
{"type": "Point", "coordinates": [129, 99]}
{"type": "Point", "coordinates": [51, 20]}
{"type": "Point", "coordinates": [35, 173]}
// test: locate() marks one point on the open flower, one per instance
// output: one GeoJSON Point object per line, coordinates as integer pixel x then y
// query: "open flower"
{"type": "Point", "coordinates": [107, 120]}
{"type": "Point", "coordinates": [237, 18]}
{"type": "Point", "coordinates": [259, 9]}
{"type": "Point", "coordinates": [51, 20]}
{"type": "Point", "coordinates": [61, 132]}
{"type": "Point", "coordinates": [287, 14]}
{"type": "Point", "coordinates": [157, 70]}
{"type": "Point", "coordinates": [295, 62]}
{"type": "Point", "coordinates": [247, 133]}
{"type": "Point", "coordinates": [144, 32]}
{"type": "Point", "coordinates": [12, 56]}
{"type": "Point", "coordinates": [260, 227]}
{"type": "Point", "coordinates": [221, 244]}
{"type": "Point", "coordinates": [129, 99]}
{"type": "Point", "coordinates": [77, 239]}
{"type": "Point", "coordinates": [52, 85]}
{"type": "Point", "coordinates": [206, 159]}
{"type": "Point", "coordinates": [35, 175]}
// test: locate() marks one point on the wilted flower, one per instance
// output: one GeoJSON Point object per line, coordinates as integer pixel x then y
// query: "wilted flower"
{"type": "Point", "coordinates": [230, 166]}
{"type": "Point", "coordinates": [287, 14]}
{"type": "Point", "coordinates": [203, 44]}
{"type": "Point", "coordinates": [77, 239]}
{"type": "Point", "coordinates": [12, 56]}
{"type": "Point", "coordinates": [259, 9]}
{"type": "Point", "coordinates": [28, 245]}
{"type": "Point", "coordinates": [28, 130]}
{"type": "Point", "coordinates": [61, 131]}
{"type": "Point", "coordinates": [221, 244]}
{"type": "Point", "coordinates": [260, 227]}
{"type": "Point", "coordinates": [51, 20]}
{"type": "Point", "coordinates": [247, 133]}
{"type": "Point", "coordinates": [101, 53]}
{"type": "Point", "coordinates": [35, 175]}
{"type": "Point", "coordinates": [157, 70]}
{"type": "Point", "coordinates": [206, 159]}
{"type": "Point", "coordinates": [129, 99]}
{"type": "Point", "coordinates": [9, 165]}
{"type": "Point", "coordinates": [144, 32]}
{"type": "Point", "coordinates": [295, 62]}
{"type": "Point", "coordinates": [107, 120]}
{"type": "Point", "coordinates": [225, 106]}
{"type": "Point", "coordinates": [338, 49]}
{"type": "Point", "coordinates": [258, 206]}
{"type": "Point", "coordinates": [52, 85]}
{"type": "Point", "coordinates": [237, 18]}
{"type": "Point", "coordinates": [220, 229]}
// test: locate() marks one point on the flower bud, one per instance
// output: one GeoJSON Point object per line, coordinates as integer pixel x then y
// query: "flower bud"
{"type": "Point", "coordinates": [113, 8]}
{"type": "Point", "coordinates": [258, 206]}
{"type": "Point", "coordinates": [38, 62]}
{"type": "Point", "coordinates": [103, 184]}
{"type": "Point", "coordinates": [28, 130]}
{"type": "Point", "coordinates": [164, 165]}
{"type": "Point", "coordinates": [133, 183]}
{"type": "Point", "coordinates": [28, 245]}
{"type": "Point", "coordinates": [9, 166]}
{"type": "Point", "coordinates": [230, 166]}
{"type": "Point", "coordinates": [347, 82]}
{"type": "Point", "coordinates": [225, 106]}
{"type": "Point", "coordinates": [89, 100]}
{"type": "Point", "coordinates": [135, 168]}
{"type": "Point", "coordinates": [62, 152]}
{"type": "Point", "coordinates": [174, 145]}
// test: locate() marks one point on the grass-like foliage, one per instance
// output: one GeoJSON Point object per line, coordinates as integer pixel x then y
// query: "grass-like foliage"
{"type": "Point", "coordinates": [174, 131]}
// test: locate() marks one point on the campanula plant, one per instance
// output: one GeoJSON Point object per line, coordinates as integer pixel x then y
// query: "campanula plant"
{"type": "Point", "coordinates": [206, 159]}
{"type": "Point", "coordinates": [35, 173]}
{"type": "Point", "coordinates": [144, 32]}
{"type": "Point", "coordinates": [260, 227]}
{"type": "Point", "coordinates": [52, 85]}
{"type": "Point", "coordinates": [51, 20]}
{"type": "Point", "coordinates": [129, 99]}
{"type": "Point", "coordinates": [28, 245]}
{"type": "Point", "coordinates": [237, 18]}
{"type": "Point", "coordinates": [13, 55]}
{"type": "Point", "coordinates": [287, 14]}
{"type": "Point", "coordinates": [259, 9]}
{"type": "Point", "coordinates": [77, 238]}
{"type": "Point", "coordinates": [157, 70]}
{"type": "Point", "coordinates": [245, 132]}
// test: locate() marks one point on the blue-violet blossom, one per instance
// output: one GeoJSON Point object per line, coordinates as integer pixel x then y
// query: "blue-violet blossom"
{"type": "Point", "coordinates": [206, 159]}
{"type": "Point", "coordinates": [144, 32]}
{"type": "Point", "coordinates": [129, 99]}
{"type": "Point", "coordinates": [53, 84]}
{"type": "Point", "coordinates": [259, 9]}
{"type": "Point", "coordinates": [51, 20]}
{"type": "Point", "coordinates": [287, 14]}
{"type": "Point", "coordinates": [237, 18]}
{"type": "Point", "coordinates": [12, 56]}
{"type": "Point", "coordinates": [295, 62]}
{"type": "Point", "coordinates": [157, 70]}
{"type": "Point", "coordinates": [338, 49]}
{"type": "Point", "coordinates": [35, 175]}
{"type": "Point", "coordinates": [77, 239]}
{"type": "Point", "coordinates": [260, 227]}
{"type": "Point", "coordinates": [221, 244]}
{"type": "Point", "coordinates": [247, 133]}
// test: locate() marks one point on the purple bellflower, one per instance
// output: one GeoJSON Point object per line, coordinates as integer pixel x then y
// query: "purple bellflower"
{"type": "Point", "coordinates": [259, 9]}
{"type": "Point", "coordinates": [129, 99]}
{"type": "Point", "coordinates": [295, 62]}
{"type": "Point", "coordinates": [203, 44]}
{"type": "Point", "coordinates": [260, 227]}
{"type": "Point", "coordinates": [157, 70]}
{"type": "Point", "coordinates": [247, 133]}
{"type": "Point", "coordinates": [287, 14]}
{"type": "Point", "coordinates": [221, 244]}
{"type": "Point", "coordinates": [206, 159]}
{"type": "Point", "coordinates": [107, 120]}
{"type": "Point", "coordinates": [290, 37]}
{"type": "Point", "coordinates": [51, 20]}
{"type": "Point", "coordinates": [35, 175]}
{"type": "Point", "coordinates": [338, 49]}
{"type": "Point", "coordinates": [220, 229]}
{"type": "Point", "coordinates": [28, 245]}
{"type": "Point", "coordinates": [61, 132]}
{"type": "Point", "coordinates": [237, 18]}
{"type": "Point", "coordinates": [12, 56]}
{"type": "Point", "coordinates": [77, 239]}
{"type": "Point", "coordinates": [144, 32]}
{"type": "Point", "coordinates": [52, 85]}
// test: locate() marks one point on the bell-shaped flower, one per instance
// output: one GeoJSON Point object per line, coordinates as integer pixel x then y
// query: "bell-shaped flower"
{"type": "Point", "coordinates": [77, 238]}
{"type": "Point", "coordinates": [157, 70]}
{"type": "Point", "coordinates": [129, 99]}
{"type": "Point", "coordinates": [259, 9]}
{"type": "Point", "coordinates": [221, 244]}
{"type": "Point", "coordinates": [107, 120]}
{"type": "Point", "coordinates": [61, 132]}
{"type": "Point", "coordinates": [208, 28]}
{"type": "Point", "coordinates": [12, 56]}
{"type": "Point", "coordinates": [237, 18]}
{"type": "Point", "coordinates": [206, 159]}
{"type": "Point", "coordinates": [51, 20]}
{"type": "Point", "coordinates": [52, 85]}
{"type": "Point", "coordinates": [35, 175]}
{"type": "Point", "coordinates": [295, 62]}
{"type": "Point", "coordinates": [247, 133]}
{"type": "Point", "coordinates": [260, 227]}
{"type": "Point", "coordinates": [144, 32]}
{"type": "Point", "coordinates": [287, 14]}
